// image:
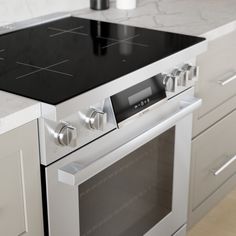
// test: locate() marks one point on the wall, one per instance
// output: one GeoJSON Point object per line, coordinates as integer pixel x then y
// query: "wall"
{"type": "Point", "coordinates": [17, 10]}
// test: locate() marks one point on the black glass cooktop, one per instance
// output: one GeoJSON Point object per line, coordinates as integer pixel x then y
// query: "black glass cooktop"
{"type": "Point", "coordinates": [56, 61]}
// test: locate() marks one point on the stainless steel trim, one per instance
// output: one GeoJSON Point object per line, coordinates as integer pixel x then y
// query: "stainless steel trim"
{"type": "Point", "coordinates": [224, 166]}
{"type": "Point", "coordinates": [33, 22]}
{"type": "Point", "coordinates": [182, 231]}
{"type": "Point", "coordinates": [141, 113]}
{"type": "Point", "coordinates": [76, 173]}
{"type": "Point", "coordinates": [226, 81]}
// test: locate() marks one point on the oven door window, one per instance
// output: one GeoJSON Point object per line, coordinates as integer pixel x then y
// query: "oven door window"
{"type": "Point", "coordinates": [132, 195]}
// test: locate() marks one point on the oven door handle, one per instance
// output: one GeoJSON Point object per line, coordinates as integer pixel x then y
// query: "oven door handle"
{"type": "Point", "coordinates": [76, 172]}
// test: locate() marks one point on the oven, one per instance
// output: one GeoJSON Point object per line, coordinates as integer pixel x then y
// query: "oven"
{"type": "Point", "coordinates": [131, 180]}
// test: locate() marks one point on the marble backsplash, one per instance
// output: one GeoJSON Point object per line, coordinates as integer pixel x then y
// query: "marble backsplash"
{"type": "Point", "coordinates": [16, 10]}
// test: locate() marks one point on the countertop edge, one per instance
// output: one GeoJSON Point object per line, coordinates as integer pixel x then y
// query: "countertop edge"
{"type": "Point", "coordinates": [20, 117]}
{"type": "Point", "coordinates": [219, 31]}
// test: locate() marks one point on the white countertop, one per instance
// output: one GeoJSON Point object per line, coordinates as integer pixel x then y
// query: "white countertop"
{"type": "Point", "coordinates": [16, 111]}
{"type": "Point", "coordinates": [193, 17]}
{"type": "Point", "coordinates": [210, 18]}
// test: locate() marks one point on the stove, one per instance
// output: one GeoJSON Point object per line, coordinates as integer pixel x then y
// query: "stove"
{"type": "Point", "coordinates": [116, 116]}
{"type": "Point", "coordinates": [61, 59]}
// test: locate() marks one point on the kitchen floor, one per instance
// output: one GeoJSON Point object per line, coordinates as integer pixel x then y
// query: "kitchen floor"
{"type": "Point", "coordinates": [220, 221]}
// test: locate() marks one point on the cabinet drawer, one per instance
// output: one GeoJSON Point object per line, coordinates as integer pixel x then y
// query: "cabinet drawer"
{"type": "Point", "coordinates": [217, 81]}
{"type": "Point", "coordinates": [210, 151]}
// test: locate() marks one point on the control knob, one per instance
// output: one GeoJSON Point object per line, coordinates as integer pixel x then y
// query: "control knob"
{"type": "Point", "coordinates": [169, 82]}
{"type": "Point", "coordinates": [180, 76]}
{"type": "Point", "coordinates": [97, 119]}
{"type": "Point", "coordinates": [192, 71]}
{"type": "Point", "coordinates": [65, 133]}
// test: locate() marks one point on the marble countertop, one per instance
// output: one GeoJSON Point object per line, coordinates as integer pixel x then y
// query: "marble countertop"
{"type": "Point", "coordinates": [193, 17]}
{"type": "Point", "coordinates": [16, 111]}
{"type": "Point", "coordinates": [209, 18]}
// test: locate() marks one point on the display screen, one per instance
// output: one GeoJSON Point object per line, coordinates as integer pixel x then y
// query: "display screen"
{"type": "Point", "coordinates": [137, 98]}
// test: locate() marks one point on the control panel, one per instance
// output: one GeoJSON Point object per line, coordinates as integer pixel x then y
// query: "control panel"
{"type": "Point", "coordinates": [152, 91]}
{"type": "Point", "coordinates": [90, 123]}
{"type": "Point", "coordinates": [96, 120]}
{"type": "Point", "coordinates": [179, 79]}
{"type": "Point", "coordinates": [85, 126]}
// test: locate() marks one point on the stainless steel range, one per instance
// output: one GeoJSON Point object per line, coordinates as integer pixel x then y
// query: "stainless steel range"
{"type": "Point", "coordinates": [115, 131]}
{"type": "Point", "coordinates": [129, 172]}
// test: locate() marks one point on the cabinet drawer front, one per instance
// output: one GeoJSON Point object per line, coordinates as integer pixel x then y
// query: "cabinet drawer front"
{"type": "Point", "coordinates": [214, 160]}
{"type": "Point", "coordinates": [12, 214]}
{"type": "Point", "coordinates": [217, 83]}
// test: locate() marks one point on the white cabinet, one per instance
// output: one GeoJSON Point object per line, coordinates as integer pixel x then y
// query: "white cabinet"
{"type": "Point", "coordinates": [211, 151]}
{"type": "Point", "coordinates": [20, 188]}
{"type": "Point", "coordinates": [214, 128]}
{"type": "Point", "coordinates": [217, 82]}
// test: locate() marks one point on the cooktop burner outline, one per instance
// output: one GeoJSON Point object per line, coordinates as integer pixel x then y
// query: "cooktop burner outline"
{"type": "Point", "coordinates": [63, 31]}
{"type": "Point", "coordinates": [1, 58]}
{"type": "Point", "coordinates": [43, 69]}
{"type": "Point", "coordinates": [125, 40]}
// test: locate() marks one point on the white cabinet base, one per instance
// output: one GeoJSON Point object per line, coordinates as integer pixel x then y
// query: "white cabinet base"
{"type": "Point", "coordinates": [20, 196]}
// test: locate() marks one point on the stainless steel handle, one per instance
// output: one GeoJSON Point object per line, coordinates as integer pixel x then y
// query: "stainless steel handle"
{"type": "Point", "coordinates": [226, 81]}
{"type": "Point", "coordinates": [76, 173]}
{"type": "Point", "coordinates": [223, 167]}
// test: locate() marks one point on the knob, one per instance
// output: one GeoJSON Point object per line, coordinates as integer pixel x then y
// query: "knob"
{"type": "Point", "coordinates": [169, 82]}
{"type": "Point", "coordinates": [180, 76]}
{"type": "Point", "coordinates": [65, 133]}
{"type": "Point", "coordinates": [97, 119]}
{"type": "Point", "coordinates": [192, 71]}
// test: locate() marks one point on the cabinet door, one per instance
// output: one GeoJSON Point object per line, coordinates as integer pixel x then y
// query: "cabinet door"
{"type": "Point", "coordinates": [211, 151]}
{"type": "Point", "coordinates": [217, 82]}
{"type": "Point", "coordinates": [20, 191]}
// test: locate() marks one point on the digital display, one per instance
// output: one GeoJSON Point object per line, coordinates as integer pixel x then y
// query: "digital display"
{"type": "Point", "coordinates": [139, 96]}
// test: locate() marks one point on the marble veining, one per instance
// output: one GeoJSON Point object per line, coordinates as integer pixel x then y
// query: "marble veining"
{"type": "Point", "coordinates": [194, 17]}
{"type": "Point", "coordinates": [12, 11]}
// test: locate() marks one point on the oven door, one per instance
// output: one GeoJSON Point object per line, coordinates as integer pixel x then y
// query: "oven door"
{"type": "Point", "coordinates": [125, 184]}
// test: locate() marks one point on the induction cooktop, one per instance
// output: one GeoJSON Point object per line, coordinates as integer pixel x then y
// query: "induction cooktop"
{"type": "Point", "coordinates": [59, 60]}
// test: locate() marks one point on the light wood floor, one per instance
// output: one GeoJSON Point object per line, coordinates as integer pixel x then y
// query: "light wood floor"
{"type": "Point", "coordinates": [220, 221]}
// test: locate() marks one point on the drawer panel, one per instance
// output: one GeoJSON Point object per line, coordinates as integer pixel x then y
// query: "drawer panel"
{"type": "Point", "coordinates": [210, 151]}
{"type": "Point", "coordinates": [12, 214]}
{"type": "Point", "coordinates": [218, 64]}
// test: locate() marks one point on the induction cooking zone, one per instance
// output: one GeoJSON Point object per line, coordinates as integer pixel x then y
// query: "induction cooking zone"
{"type": "Point", "coordinates": [59, 60]}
